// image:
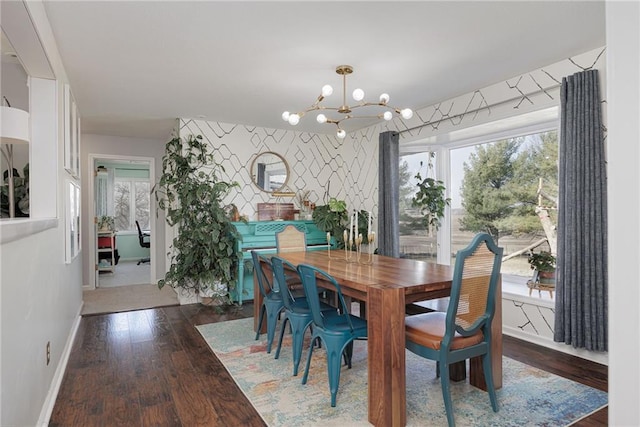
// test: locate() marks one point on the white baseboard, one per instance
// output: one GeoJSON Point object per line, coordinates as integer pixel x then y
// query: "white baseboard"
{"type": "Point", "coordinates": [52, 395]}
{"type": "Point", "coordinates": [601, 358]}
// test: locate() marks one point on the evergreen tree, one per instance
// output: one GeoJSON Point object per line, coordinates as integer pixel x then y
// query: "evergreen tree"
{"type": "Point", "coordinates": [486, 196]}
{"type": "Point", "coordinates": [500, 184]}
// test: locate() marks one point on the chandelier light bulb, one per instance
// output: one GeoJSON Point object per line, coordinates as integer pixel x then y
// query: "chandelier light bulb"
{"type": "Point", "coordinates": [294, 119]}
{"type": "Point", "coordinates": [384, 98]}
{"type": "Point", "coordinates": [321, 118]}
{"type": "Point", "coordinates": [341, 134]}
{"type": "Point", "coordinates": [406, 113]}
{"type": "Point", "coordinates": [358, 95]}
{"type": "Point", "coordinates": [285, 116]}
{"type": "Point", "coordinates": [327, 90]}
{"type": "Point", "coordinates": [388, 115]}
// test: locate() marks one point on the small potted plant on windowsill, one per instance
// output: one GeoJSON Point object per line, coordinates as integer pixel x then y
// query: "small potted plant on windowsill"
{"type": "Point", "coordinates": [106, 223]}
{"type": "Point", "coordinates": [544, 263]}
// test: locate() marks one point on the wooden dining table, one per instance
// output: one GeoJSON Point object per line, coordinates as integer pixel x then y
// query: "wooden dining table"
{"type": "Point", "coordinates": [386, 285]}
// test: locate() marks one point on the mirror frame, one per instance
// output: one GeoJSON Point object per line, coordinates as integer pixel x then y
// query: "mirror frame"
{"type": "Point", "coordinates": [253, 174]}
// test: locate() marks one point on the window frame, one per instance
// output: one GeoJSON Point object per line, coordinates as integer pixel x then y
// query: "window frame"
{"type": "Point", "coordinates": [525, 124]}
{"type": "Point", "coordinates": [132, 204]}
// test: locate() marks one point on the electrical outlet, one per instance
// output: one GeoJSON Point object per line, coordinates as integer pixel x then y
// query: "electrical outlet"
{"type": "Point", "coordinates": [48, 352]}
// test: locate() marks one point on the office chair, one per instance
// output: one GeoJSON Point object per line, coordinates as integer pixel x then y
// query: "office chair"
{"type": "Point", "coordinates": [145, 242]}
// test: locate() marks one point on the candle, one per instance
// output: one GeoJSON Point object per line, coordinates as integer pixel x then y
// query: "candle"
{"type": "Point", "coordinates": [328, 237]}
{"type": "Point", "coordinates": [351, 230]}
{"type": "Point", "coordinates": [357, 228]}
{"type": "Point", "coordinates": [344, 236]}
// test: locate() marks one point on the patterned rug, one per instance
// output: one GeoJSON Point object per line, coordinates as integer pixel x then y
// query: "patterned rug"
{"type": "Point", "coordinates": [529, 396]}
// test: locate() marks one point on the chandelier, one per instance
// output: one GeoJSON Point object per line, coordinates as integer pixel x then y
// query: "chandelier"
{"type": "Point", "coordinates": [345, 110]}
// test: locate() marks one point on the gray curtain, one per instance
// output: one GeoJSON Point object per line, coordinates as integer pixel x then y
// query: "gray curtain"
{"type": "Point", "coordinates": [581, 277]}
{"type": "Point", "coordinates": [388, 194]}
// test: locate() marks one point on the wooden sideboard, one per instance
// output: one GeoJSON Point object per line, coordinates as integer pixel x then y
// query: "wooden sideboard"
{"type": "Point", "coordinates": [261, 236]}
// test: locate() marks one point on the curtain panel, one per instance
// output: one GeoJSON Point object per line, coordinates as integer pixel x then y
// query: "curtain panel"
{"type": "Point", "coordinates": [581, 276]}
{"type": "Point", "coordinates": [388, 194]}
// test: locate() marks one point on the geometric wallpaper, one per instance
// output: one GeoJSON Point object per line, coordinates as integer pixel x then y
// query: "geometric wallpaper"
{"type": "Point", "coordinates": [348, 169]}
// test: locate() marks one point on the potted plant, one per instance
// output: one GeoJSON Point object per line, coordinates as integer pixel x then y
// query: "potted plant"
{"type": "Point", "coordinates": [332, 218]}
{"type": "Point", "coordinates": [544, 263]}
{"type": "Point", "coordinates": [430, 198]}
{"type": "Point", "coordinates": [106, 223]}
{"type": "Point", "coordinates": [204, 258]}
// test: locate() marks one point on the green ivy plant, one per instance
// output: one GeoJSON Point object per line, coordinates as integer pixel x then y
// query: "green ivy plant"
{"type": "Point", "coordinates": [430, 198]}
{"type": "Point", "coordinates": [191, 193]}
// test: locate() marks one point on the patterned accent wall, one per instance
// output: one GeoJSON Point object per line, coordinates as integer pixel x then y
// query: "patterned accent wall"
{"type": "Point", "coordinates": [348, 169]}
{"type": "Point", "coordinates": [528, 92]}
{"type": "Point", "coordinates": [322, 164]}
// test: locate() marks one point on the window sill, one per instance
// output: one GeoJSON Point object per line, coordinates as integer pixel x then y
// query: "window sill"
{"type": "Point", "coordinates": [16, 229]}
{"type": "Point", "coordinates": [513, 288]}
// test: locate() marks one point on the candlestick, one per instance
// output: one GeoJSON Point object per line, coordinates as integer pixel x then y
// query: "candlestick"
{"type": "Point", "coordinates": [369, 224]}
{"type": "Point", "coordinates": [372, 238]}
{"type": "Point", "coordinates": [329, 244]}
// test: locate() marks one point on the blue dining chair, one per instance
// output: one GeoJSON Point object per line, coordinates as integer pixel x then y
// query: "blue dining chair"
{"type": "Point", "coordinates": [296, 311]}
{"type": "Point", "coordinates": [336, 329]}
{"type": "Point", "coordinates": [464, 331]}
{"type": "Point", "coordinates": [272, 303]}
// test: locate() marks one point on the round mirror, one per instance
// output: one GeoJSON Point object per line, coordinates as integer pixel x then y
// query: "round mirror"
{"type": "Point", "coordinates": [269, 171]}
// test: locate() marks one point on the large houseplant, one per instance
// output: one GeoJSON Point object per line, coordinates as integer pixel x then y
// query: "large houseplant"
{"type": "Point", "coordinates": [430, 197]}
{"type": "Point", "coordinates": [334, 218]}
{"type": "Point", "coordinates": [204, 258]}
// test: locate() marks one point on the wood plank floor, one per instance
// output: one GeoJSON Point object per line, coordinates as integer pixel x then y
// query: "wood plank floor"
{"type": "Point", "coordinates": [152, 368]}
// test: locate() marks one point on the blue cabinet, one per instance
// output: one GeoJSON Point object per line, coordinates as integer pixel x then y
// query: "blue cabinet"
{"type": "Point", "coordinates": [261, 235]}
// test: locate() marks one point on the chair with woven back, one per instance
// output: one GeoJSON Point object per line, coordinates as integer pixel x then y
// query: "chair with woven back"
{"type": "Point", "coordinates": [272, 303]}
{"type": "Point", "coordinates": [464, 331]}
{"type": "Point", "coordinates": [296, 311]}
{"type": "Point", "coordinates": [290, 239]}
{"type": "Point", "coordinates": [337, 330]}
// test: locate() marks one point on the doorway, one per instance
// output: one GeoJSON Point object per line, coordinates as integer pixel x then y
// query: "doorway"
{"type": "Point", "coordinates": [121, 196]}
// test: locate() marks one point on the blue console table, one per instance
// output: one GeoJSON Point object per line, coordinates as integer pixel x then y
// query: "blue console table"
{"type": "Point", "coordinates": [261, 236]}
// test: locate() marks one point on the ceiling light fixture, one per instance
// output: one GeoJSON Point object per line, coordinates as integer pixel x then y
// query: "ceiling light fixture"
{"type": "Point", "coordinates": [345, 109]}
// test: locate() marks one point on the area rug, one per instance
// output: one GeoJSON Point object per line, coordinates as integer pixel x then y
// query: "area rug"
{"type": "Point", "coordinates": [529, 396]}
{"type": "Point", "coordinates": [127, 298]}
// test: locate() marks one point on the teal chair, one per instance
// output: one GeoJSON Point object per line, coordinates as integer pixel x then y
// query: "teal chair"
{"type": "Point", "coordinates": [336, 330]}
{"type": "Point", "coordinates": [272, 303]}
{"type": "Point", "coordinates": [464, 331]}
{"type": "Point", "coordinates": [296, 311]}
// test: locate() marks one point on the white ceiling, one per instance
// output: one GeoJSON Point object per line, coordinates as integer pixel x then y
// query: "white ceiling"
{"type": "Point", "coordinates": [135, 66]}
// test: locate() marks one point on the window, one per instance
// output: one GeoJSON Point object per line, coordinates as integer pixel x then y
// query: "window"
{"type": "Point", "coordinates": [132, 203]}
{"type": "Point", "coordinates": [417, 240]}
{"type": "Point", "coordinates": [492, 174]}
{"type": "Point", "coordinates": [494, 189]}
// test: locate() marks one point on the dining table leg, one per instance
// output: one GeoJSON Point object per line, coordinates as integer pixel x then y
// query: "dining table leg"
{"type": "Point", "coordinates": [386, 356]}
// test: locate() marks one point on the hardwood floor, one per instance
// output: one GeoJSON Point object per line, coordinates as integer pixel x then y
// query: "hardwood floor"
{"type": "Point", "coordinates": [152, 368]}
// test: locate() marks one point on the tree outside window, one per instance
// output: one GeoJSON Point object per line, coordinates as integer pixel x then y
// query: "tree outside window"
{"type": "Point", "coordinates": [131, 206]}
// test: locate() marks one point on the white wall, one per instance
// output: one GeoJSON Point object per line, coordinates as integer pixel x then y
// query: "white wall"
{"type": "Point", "coordinates": [623, 85]}
{"type": "Point", "coordinates": [41, 296]}
{"type": "Point", "coordinates": [109, 146]}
